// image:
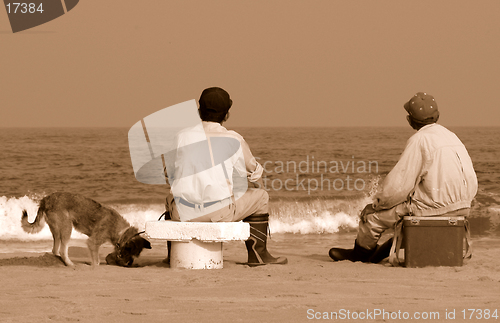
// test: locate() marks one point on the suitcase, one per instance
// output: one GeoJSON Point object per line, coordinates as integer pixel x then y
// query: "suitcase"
{"type": "Point", "coordinates": [433, 241]}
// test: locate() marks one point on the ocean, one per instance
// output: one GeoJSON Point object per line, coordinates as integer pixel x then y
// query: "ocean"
{"type": "Point", "coordinates": [318, 179]}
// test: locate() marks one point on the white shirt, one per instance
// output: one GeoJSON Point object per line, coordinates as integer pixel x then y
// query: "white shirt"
{"type": "Point", "coordinates": [211, 164]}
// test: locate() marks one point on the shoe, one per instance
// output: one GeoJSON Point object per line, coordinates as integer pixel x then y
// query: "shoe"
{"type": "Point", "coordinates": [381, 252]}
{"type": "Point", "coordinates": [357, 254]}
{"type": "Point", "coordinates": [257, 243]}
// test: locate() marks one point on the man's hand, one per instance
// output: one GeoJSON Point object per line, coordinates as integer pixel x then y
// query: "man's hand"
{"type": "Point", "coordinates": [366, 211]}
{"type": "Point", "coordinates": [258, 184]}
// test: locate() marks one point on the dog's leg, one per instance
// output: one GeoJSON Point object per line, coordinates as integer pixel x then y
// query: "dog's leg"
{"type": "Point", "coordinates": [96, 239]}
{"type": "Point", "coordinates": [52, 221]}
{"type": "Point", "coordinates": [57, 241]}
{"type": "Point", "coordinates": [94, 251]}
{"type": "Point", "coordinates": [65, 232]}
{"type": "Point", "coordinates": [64, 254]}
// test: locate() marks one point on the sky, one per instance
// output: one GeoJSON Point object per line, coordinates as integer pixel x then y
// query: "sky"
{"type": "Point", "coordinates": [285, 63]}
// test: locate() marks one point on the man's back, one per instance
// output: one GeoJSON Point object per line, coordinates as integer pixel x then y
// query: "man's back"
{"type": "Point", "coordinates": [207, 161]}
{"type": "Point", "coordinates": [448, 180]}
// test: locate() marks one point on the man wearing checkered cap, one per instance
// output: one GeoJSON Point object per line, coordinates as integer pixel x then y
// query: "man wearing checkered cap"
{"type": "Point", "coordinates": [434, 176]}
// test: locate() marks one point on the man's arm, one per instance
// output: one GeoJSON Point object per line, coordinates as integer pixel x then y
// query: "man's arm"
{"type": "Point", "coordinates": [403, 178]}
{"type": "Point", "coordinates": [253, 168]}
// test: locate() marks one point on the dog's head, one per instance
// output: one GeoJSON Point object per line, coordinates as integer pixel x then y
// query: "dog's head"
{"type": "Point", "coordinates": [128, 248]}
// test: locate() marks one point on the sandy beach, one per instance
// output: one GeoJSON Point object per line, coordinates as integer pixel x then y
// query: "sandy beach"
{"type": "Point", "coordinates": [37, 287]}
{"type": "Point", "coordinates": [91, 92]}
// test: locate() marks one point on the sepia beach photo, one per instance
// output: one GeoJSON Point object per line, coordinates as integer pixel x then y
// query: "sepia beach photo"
{"type": "Point", "coordinates": [310, 129]}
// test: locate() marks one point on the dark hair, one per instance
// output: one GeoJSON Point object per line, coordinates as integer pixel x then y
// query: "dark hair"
{"type": "Point", "coordinates": [417, 124]}
{"type": "Point", "coordinates": [212, 115]}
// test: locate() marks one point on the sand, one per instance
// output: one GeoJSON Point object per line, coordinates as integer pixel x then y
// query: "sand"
{"type": "Point", "coordinates": [37, 287]}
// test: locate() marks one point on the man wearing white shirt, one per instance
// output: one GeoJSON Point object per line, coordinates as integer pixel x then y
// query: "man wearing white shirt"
{"type": "Point", "coordinates": [434, 176]}
{"type": "Point", "coordinates": [210, 174]}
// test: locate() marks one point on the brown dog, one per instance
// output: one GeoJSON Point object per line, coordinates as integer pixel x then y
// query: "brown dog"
{"type": "Point", "coordinates": [64, 211]}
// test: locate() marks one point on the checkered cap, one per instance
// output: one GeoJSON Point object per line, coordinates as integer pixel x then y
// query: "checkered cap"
{"type": "Point", "coordinates": [422, 107]}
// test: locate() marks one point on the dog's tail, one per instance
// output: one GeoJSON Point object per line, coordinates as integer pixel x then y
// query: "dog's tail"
{"type": "Point", "coordinates": [39, 222]}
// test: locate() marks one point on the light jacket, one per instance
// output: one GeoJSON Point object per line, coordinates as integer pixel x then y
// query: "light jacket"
{"type": "Point", "coordinates": [433, 176]}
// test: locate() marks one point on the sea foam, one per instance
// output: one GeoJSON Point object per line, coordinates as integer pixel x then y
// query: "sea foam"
{"type": "Point", "coordinates": [312, 217]}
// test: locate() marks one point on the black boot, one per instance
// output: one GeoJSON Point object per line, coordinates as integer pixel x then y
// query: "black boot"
{"type": "Point", "coordinates": [257, 243]}
{"type": "Point", "coordinates": [357, 254]}
{"type": "Point", "coordinates": [381, 252]}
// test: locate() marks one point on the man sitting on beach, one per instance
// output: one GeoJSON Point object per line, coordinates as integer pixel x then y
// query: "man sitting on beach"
{"type": "Point", "coordinates": [434, 176]}
{"type": "Point", "coordinates": [210, 173]}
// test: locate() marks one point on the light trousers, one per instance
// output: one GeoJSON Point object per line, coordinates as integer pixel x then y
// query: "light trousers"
{"type": "Point", "coordinates": [254, 201]}
{"type": "Point", "coordinates": [376, 223]}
